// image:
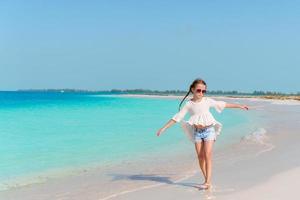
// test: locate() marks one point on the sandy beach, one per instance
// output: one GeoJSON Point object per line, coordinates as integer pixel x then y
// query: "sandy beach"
{"type": "Point", "coordinates": [263, 165]}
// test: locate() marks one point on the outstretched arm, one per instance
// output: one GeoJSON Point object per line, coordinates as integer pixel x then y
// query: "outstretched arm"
{"type": "Point", "coordinates": [232, 105]}
{"type": "Point", "coordinates": [176, 118]}
{"type": "Point", "coordinates": [167, 125]}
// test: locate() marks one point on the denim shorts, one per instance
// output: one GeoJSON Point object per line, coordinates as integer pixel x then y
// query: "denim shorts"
{"type": "Point", "coordinates": [205, 134]}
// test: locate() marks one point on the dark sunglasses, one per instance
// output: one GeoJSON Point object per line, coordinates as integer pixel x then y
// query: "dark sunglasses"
{"type": "Point", "coordinates": [200, 90]}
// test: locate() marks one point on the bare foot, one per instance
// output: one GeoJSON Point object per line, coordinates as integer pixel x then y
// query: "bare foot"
{"type": "Point", "coordinates": [205, 186]}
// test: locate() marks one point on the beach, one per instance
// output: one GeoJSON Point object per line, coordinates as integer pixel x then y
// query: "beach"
{"type": "Point", "coordinates": [103, 100]}
{"type": "Point", "coordinates": [264, 164]}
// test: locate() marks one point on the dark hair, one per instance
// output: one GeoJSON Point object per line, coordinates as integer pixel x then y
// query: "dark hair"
{"type": "Point", "coordinates": [195, 82]}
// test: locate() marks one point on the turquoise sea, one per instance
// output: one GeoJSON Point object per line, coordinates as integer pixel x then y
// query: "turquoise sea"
{"type": "Point", "coordinates": [44, 131]}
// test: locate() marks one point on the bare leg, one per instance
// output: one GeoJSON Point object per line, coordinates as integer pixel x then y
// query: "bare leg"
{"type": "Point", "coordinates": [208, 160]}
{"type": "Point", "coordinates": [199, 146]}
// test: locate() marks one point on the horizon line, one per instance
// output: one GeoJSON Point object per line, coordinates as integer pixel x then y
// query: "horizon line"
{"type": "Point", "coordinates": [150, 90]}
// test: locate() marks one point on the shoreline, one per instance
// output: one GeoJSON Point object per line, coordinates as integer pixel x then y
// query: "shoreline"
{"type": "Point", "coordinates": [258, 168]}
{"type": "Point", "coordinates": [273, 99]}
{"type": "Point", "coordinates": [236, 163]}
{"type": "Point", "coordinates": [266, 95]}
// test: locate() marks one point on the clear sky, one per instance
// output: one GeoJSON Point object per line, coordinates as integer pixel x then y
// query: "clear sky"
{"type": "Point", "coordinates": [156, 44]}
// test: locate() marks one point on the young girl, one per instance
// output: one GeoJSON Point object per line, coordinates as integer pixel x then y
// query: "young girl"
{"type": "Point", "coordinates": [202, 129]}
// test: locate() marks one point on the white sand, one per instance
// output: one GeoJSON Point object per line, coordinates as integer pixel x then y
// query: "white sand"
{"type": "Point", "coordinates": [284, 185]}
{"type": "Point", "coordinates": [281, 186]}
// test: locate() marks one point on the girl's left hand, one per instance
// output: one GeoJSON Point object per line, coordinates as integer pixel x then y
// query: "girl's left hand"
{"type": "Point", "coordinates": [244, 107]}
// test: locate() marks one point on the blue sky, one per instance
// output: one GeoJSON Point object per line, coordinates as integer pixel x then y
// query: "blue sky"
{"type": "Point", "coordinates": [158, 44]}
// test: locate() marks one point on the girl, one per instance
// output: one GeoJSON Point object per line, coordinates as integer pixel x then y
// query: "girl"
{"type": "Point", "coordinates": [201, 128]}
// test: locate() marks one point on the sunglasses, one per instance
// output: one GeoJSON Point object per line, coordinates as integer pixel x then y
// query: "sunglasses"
{"type": "Point", "coordinates": [200, 90]}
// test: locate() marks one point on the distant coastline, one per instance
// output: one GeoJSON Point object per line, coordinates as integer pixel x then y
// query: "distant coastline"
{"type": "Point", "coordinates": [232, 94]}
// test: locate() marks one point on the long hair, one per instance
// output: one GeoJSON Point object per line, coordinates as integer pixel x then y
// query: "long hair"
{"type": "Point", "coordinates": [194, 83]}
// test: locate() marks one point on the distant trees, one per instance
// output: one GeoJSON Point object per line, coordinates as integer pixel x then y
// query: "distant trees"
{"type": "Point", "coordinates": [160, 92]}
{"type": "Point", "coordinates": [212, 92]}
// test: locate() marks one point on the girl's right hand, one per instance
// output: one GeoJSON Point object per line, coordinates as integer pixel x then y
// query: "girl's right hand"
{"type": "Point", "coordinates": [159, 132]}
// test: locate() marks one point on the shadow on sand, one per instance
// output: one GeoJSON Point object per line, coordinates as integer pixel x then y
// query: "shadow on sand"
{"type": "Point", "coordinates": [151, 177]}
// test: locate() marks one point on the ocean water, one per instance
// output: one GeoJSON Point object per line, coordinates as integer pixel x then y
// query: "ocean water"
{"type": "Point", "coordinates": [42, 132]}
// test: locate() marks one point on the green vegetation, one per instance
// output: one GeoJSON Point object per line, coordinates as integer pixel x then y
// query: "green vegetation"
{"type": "Point", "coordinates": [234, 93]}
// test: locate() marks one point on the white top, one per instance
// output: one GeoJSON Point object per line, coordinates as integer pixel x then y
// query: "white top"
{"type": "Point", "coordinates": [199, 114]}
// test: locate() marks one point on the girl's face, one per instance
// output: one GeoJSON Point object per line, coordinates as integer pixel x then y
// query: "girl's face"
{"type": "Point", "coordinates": [198, 90]}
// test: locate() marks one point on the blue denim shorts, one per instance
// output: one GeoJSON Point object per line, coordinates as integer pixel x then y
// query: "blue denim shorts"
{"type": "Point", "coordinates": [205, 134]}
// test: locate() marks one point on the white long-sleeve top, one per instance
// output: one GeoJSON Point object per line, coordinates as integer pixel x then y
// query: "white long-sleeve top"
{"type": "Point", "coordinates": [199, 114]}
